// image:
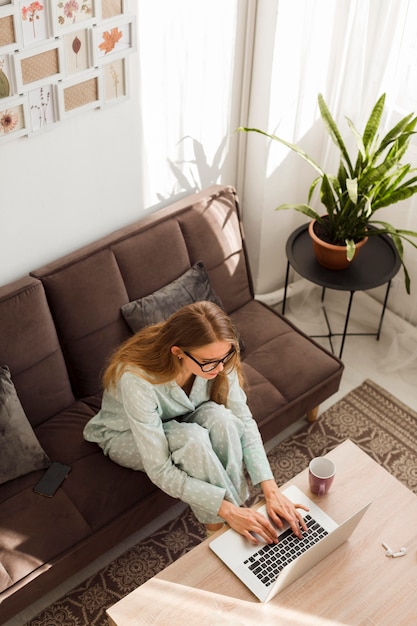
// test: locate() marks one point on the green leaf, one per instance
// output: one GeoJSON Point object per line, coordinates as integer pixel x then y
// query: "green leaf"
{"type": "Point", "coordinates": [404, 127]}
{"type": "Point", "coordinates": [350, 249]}
{"type": "Point", "coordinates": [374, 120]}
{"type": "Point", "coordinates": [327, 197]}
{"type": "Point", "coordinates": [333, 130]}
{"type": "Point", "coordinates": [302, 208]}
{"type": "Point", "coordinates": [358, 138]}
{"type": "Point", "coordinates": [352, 189]}
{"type": "Point", "coordinates": [289, 145]}
{"type": "Point", "coordinates": [394, 196]}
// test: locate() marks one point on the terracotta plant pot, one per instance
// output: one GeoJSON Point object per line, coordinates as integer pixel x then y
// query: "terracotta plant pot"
{"type": "Point", "coordinates": [330, 256]}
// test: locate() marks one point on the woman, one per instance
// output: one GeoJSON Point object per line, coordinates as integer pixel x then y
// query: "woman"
{"type": "Point", "coordinates": [174, 407]}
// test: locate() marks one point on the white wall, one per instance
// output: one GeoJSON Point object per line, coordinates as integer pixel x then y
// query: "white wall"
{"type": "Point", "coordinates": [68, 185]}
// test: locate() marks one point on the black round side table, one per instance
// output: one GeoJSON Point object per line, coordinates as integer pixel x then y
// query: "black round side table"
{"type": "Point", "coordinates": [376, 264]}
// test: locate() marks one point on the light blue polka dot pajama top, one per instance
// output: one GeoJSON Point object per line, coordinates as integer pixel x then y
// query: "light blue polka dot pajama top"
{"type": "Point", "coordinates": [190, 447]}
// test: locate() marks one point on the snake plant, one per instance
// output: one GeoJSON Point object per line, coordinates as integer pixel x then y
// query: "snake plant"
{"type": "Point", "coordinates": [375, 177]}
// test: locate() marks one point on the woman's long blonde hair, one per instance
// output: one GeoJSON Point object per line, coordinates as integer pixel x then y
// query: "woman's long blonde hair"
{"type": "Point", "coordinates": [193, 326]}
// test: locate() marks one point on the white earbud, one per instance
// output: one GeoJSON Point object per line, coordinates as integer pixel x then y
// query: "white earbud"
{"type": "Point", "coordinates": [389, 551]}
{"type": "Point", "coordinates": [402, 552]}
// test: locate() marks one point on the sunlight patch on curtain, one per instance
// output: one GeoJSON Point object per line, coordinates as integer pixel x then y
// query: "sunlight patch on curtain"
{"type": "Point", "coordinates": [186, 52]}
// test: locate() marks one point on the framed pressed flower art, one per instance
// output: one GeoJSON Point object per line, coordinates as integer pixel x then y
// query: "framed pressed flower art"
{"type": "Point", "coordinates": [114, 39]}
{"type": "Point", "coordinates": [42, 107]}
{"type": "Point", "coordinates": [69, 15]}
{"type": "Point", "coordinates": [13, 119]}
{"type": "Point", "coordinates": [115, 80]}
{"type": "Point", "coordinates": [35, 21]}
{"type": "Point", "coordinates": [7, 87]}
{"type": "Point", "coordinates": [77, 51]}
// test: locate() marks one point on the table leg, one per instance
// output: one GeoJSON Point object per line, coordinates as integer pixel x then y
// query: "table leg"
{"type": "Point", "coordinates": [285, 288]}
{"type": "Point", "coordinates": [383, 310]}
{"type": "Point", "coordinates": [346, 324]}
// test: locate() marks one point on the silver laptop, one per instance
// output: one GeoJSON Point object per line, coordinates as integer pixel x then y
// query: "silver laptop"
{"type": "Point", "coordinates": [267, 569]}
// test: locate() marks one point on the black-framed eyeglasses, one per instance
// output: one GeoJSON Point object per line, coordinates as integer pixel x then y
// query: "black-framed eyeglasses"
{"type": "Point", "coordinates": [209, 366]}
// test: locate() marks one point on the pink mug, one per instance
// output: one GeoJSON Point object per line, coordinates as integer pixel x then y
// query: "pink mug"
{"type": "Point", "coordinates": [321, 473]}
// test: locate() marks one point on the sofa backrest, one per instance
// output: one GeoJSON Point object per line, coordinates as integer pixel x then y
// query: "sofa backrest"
{"type": "Point", "coordinates": [29, 346]}
{"type": "Point", "coordinates": [86, 289]}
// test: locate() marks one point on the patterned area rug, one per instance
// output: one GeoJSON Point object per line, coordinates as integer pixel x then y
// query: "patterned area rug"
{"type": "Point", "coordinates": [376, 421]}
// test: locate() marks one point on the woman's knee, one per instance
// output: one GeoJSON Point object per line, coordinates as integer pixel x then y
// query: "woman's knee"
{"type": "Point", "coordinates": [218, 419]}
{"type": "Point", "coordinates": [186, 435]}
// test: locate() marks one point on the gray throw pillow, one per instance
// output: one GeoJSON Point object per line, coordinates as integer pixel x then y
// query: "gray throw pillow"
{"type": "Point", "coordinates": [192, 286]}
{"type": "Point", "coordinates": [21, 451]}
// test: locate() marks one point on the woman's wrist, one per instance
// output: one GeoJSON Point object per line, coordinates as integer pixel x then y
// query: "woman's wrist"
{"type": "Point", "coordinates": [269, 489]}
{"type": "Point", "coordinates": [225, 510]}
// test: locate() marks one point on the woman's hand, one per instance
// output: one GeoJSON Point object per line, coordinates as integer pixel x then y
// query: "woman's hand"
{"type": "Point", "coordinates": [246, 521]}
{"type": "Point", "coordinates": [279, 507]}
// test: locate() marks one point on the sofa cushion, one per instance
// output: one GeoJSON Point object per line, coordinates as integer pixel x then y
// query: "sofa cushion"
{"type": "Point", "coordinates": [29, 345]}
{"type": "Point", "coordinates": [152, 257]}
{"type": "Point", "coordinates": [85, 295]}
{"type": "Point", "coordinates": [36, 531]}
{"type": "Point", "coordinates": [211, 231]}
{"type": "Point", "coordinates": [21, 451]}
{"type": "Point", "coordinates": [192, 286]}
{"type": "Point", "coordinates": [277, 351]}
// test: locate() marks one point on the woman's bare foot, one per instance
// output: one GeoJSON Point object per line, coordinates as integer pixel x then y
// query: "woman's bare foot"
{"type": "Point", "coordinates": [213, 528]}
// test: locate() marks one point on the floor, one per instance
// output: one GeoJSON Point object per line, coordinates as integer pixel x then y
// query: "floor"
{"type": "Point", "coordinates": [391, 362]}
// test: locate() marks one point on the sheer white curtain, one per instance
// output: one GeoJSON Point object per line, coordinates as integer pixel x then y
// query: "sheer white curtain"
{"type": "Point", "coordinates": [187, 54]}
{"type": "Point", "coordinates": [196, 64]}
{"type": "Point", "coordinates": [351, 51]}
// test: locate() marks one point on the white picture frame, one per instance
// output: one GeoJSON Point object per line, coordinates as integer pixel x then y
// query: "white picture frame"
{"type": "Point", "coordinates": [37, 66]}
{"type": "Point", "coordinates": [7, 79]}
{"type": "Point", "coordinates": [66, 18]}
{"type": "Point", "coordinates": [111, 9]}
{"type": "Point", "coordinates": [80, 94]}
{"type": "Point", "coordinates": [34, 21]}
{"type": "Point", "coordinates": [42, 107]}
{"type": "Point", "coordinates": [115, 81]}
{"type": "Point", "coordinates": [14, 118]}
{"type": "Point", "coordinates": [10, 29]}
{"type": "Point", "coordinates": [114, 39]}
{"type": "Point", "coordinates": [77, 51]}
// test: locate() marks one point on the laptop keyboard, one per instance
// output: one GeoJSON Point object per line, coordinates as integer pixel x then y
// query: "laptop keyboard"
{"type": "Point", "coordinates": [268, 562]}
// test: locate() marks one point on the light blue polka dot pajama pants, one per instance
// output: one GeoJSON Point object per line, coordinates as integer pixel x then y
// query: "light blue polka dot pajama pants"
{"type": "Point", "coordinates": [205, 444]}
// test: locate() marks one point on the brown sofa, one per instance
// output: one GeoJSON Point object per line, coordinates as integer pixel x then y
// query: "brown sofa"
{"type": "Point", "coordinates": [57, 327]}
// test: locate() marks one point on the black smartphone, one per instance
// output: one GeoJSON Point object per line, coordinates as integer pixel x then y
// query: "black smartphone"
{"type": "Point", "coordinates": [52, 479]}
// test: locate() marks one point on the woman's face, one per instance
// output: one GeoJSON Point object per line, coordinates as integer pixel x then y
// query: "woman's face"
{"type": "Point", "coordinates": [198, 360]}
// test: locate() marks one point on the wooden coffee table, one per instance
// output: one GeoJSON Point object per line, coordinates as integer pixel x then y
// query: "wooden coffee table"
{"type": "Point", "coordinates": [356, 584]}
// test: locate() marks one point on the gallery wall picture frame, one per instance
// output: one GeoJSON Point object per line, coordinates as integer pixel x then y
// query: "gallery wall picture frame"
{"type": "Point", "coordinates": [7, 81]}
{"type": "Point", "coordinates": [42, 107]}
{"type": "Point", "coordinates": [10, 29]}
{"type": "Point", "coordinates": [37, 66]}
{"type": "Point", "coordinates": [112, 8]}
{"type": "Point", "coordinates": [77, 51]}
{"type": "Point", "coordinates": [115, 81]}
{"type": "Point", "coordinates": [73, 15]}
{"type": "Point", "coordinates": [114, 39]}
{"type": "Point", "coordinates": [13, 118]}
{"type": "Point", "coordinates": [35, 21]}
{"type": "Point", "coordinates": [79, 94]}
{"type": "Point", "coordinates": [59, 58]}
